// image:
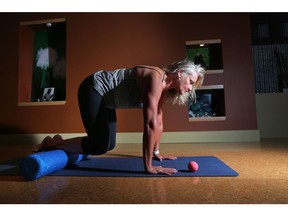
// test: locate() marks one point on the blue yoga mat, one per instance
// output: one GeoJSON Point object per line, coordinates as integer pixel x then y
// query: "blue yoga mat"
{"type": "Point", "coordinates": [209, 166]}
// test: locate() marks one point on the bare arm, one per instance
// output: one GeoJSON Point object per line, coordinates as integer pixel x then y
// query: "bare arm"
{"type": "Point", "coordinates": [152, 90]}
{"type": "Point", "coordinates": [159, 156]}
{"type": "Point", "coordinates": [160, 125]}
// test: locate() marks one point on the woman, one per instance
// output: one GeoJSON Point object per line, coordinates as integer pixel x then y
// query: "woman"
{"type": "Point", "coordinates": [145, 87]}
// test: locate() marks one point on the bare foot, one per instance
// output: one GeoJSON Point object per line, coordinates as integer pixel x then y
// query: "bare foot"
{"type": "Point", "coordinates": [58, 137]}
{"type": "Point", "coordinates": [47, 141]}
{"type": "Point", "coordinates": [46, 144]}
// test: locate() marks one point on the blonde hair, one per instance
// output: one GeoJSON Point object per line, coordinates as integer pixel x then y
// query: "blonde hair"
{"type": "Point", "coordinates": [187, 67]}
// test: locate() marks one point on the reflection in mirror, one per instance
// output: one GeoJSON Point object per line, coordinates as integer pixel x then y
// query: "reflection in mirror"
{"type": "Point", "coordinates": [209, 103]}
{"type": "Point", "coordinates": [43, 44]}
{"type": "Point", "coordinates": [207, 53]}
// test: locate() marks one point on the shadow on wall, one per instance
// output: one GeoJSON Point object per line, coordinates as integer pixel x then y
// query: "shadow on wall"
{"type": "Point", "coordinates": [10, 135]}
{"type": "Point", "coordinates": [15, 143]}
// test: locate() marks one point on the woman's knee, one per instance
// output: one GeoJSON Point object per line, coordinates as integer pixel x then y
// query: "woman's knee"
{"type": "Point", "coordinates": [93, 147]}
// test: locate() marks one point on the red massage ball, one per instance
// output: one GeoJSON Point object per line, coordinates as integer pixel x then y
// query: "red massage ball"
{"type": "Point", "coordinates": [193, 166]}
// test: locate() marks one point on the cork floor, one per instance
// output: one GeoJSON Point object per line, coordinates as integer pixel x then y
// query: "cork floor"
{"type": "Point", "coordinates": [262, 168]}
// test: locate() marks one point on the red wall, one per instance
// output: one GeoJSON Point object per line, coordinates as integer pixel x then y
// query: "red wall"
{"type": "Point", "coordinates": [115, 40]}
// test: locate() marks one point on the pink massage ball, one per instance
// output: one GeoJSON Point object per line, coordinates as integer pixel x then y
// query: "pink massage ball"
{"type": "Point", "coordinates": [193, 166]}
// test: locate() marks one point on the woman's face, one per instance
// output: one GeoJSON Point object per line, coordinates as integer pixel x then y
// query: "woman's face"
{"type": "Point", "coordinates": [186, 82]}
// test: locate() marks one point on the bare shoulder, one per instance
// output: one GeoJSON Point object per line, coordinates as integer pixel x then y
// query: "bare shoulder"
{"type": "Point", "coordinates": [148, 71]}
{"type": "Point", "coordinates": [149, 76]}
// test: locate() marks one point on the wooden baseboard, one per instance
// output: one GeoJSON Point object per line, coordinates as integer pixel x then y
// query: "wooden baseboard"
{"type": "Point", "coordinates": [168, 137]}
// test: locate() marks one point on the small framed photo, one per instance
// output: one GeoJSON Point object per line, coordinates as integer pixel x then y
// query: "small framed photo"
{"type": "Point", "coordinates": [48, 94]}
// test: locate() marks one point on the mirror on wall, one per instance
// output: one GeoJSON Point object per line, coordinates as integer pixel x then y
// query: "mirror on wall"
{"type": "Point", "coordinates": [209, 104]}
{"type": "Point", "coordinates": [42, 61]}
{"type": "Point", "coordinates": [207, 53]}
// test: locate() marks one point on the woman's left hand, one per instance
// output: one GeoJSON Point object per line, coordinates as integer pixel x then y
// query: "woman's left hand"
{"type": "Point", "coordinates": [160, 157]}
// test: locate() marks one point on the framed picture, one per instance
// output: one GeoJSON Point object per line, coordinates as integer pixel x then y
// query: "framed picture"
{"type": "Point", "coordinates": [48, 94]}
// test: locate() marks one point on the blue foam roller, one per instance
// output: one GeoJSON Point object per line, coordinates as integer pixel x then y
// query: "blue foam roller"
{"type": "Point", "coordinates": [74, 158]}
{"type": "Point", "coordinates": [40, 164]}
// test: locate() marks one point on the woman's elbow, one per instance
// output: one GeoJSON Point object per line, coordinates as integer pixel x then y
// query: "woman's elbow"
{"type": "Point", "coordinates": [154, 127]}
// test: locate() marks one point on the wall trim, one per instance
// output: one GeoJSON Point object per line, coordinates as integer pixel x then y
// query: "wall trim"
{"type": "Point", "coordinates": [136, 137]}
{"type": "Point", "coordinates": [196, 136]}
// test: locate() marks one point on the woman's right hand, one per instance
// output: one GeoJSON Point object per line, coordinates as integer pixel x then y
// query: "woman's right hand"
{"type": "Point", "coordinates": [161, 170]}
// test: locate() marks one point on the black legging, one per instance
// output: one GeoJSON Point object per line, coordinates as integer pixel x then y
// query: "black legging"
{"type": "Point", "coordinates": [99, 121]}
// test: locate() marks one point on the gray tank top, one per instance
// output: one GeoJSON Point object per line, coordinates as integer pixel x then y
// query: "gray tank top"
{"type": "Point", "coordinates": [119, 88]}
